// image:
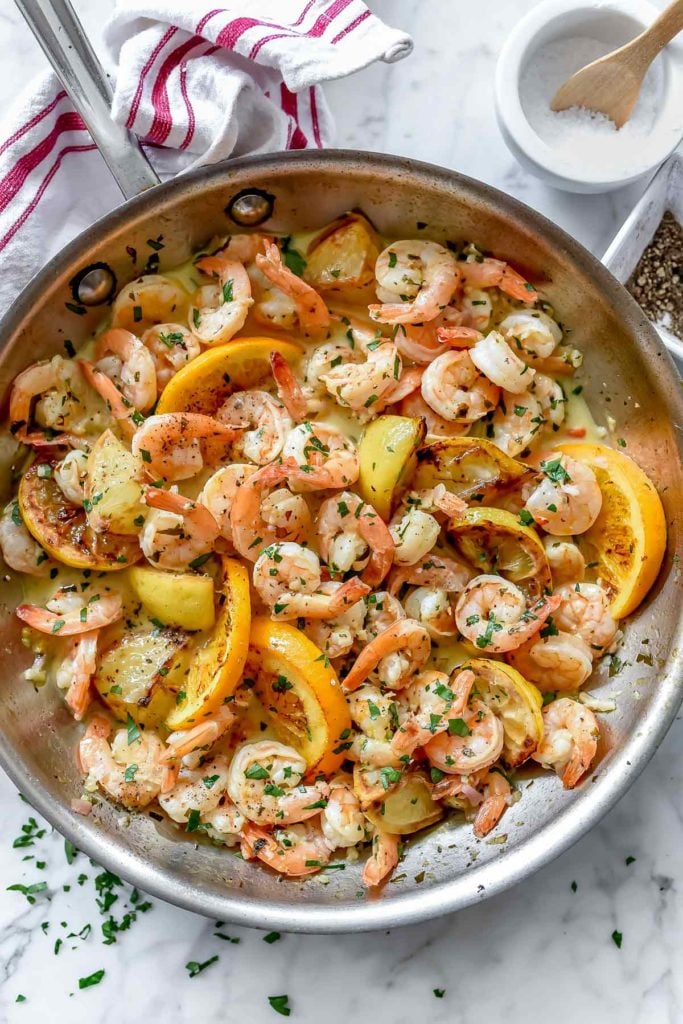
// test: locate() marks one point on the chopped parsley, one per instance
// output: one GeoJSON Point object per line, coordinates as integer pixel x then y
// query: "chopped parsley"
{"type": "Point", "coordinates": [93, 979]}
{"type": "Point", "coordinates": [194, 967]}
{"type": "Point", "coordinates": [132, 729]}
{"type": "Point", "coordinates": [280, 1004]}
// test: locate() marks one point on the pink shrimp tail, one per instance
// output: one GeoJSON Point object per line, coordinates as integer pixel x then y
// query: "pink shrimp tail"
{"type": "Point", "coordinates": [288, 387]}
{"type": "Point", "coordinates": [349, 593]}
{"type": "Point", "coordinates": [382, 860]}
{"type": "Point", "coordinates": [458, 337]}
{"type": "Point", "coordinates": [121, 409]}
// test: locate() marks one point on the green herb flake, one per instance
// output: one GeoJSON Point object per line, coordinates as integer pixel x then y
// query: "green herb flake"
{"type": "Point", "coordinates": [617, 938]}
{"type": "Point", "coordinates": [280, 1004]}
{"type": "Point", "coordinates": [194, 967]}
{"type": "Point", "coordinates": [132, 729]}
{"type": "Point", "coordinates": [271, 937]}
{"type": "Point", "coordinates": [458, 727]}
{"type": "Point", "coordinates": [93, 979]}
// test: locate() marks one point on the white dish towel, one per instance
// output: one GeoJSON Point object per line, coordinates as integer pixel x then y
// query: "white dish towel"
{"type": "Point", "coordinates": [198, 83]}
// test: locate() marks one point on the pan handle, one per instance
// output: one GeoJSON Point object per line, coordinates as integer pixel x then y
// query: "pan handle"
{"type": "Point", "coordinates": [60, 34]}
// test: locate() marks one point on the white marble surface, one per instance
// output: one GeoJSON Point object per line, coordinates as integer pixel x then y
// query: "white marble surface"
{"type": "Point", "coordinates": [538, 951]}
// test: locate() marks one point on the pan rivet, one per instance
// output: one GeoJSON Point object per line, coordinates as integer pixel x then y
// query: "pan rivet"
{"type": "Point", "coordinates": [94, 285]}
{"type": "Point", "coordinates": [250, 207]}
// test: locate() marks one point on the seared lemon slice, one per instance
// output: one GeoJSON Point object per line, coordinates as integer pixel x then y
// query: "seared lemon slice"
{"type": "Point", "coordinates": [515, 701]}
{"type": "Point", "coordinates": [62, 528]}
{"type": "Point", "coordinates": [205, 382]}
{"type": "Point", "coordinates": [215, 667]}
{"type": "Point", "coordinates": [472, 467]}
{"type": "Point", "coordinates": [493, 540]}
{"type": "Point", "coordinates": [301, 693]}
{"type": "Point", "coordinates": [406, 808]}
{"type": "Point", "coordinates": [387, 459]}
{"type": "Point", "coordinates": [138, 673]}
{"type": "Point", "coordinates": [626, 544]}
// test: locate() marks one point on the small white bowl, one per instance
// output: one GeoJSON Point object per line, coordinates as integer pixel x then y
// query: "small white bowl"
{"type": "Point", "coordinates": [613, 24]}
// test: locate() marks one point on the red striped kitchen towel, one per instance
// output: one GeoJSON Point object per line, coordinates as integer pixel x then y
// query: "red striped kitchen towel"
{"type": "Point", "coordinates": [199, 83]}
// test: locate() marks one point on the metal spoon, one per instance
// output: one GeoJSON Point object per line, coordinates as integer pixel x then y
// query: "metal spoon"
{"type": "Point", "coordinates": [610, 85]}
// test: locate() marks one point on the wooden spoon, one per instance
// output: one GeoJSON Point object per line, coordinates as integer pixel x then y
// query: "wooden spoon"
{"type": "Point", "coordinates": [611, 84]}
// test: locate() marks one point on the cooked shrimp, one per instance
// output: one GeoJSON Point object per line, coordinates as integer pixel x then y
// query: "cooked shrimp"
{"type": "Point", "coordinates": [183, 743]}
{"type": "Point", "coordinates": [414, 527]}
{"type": "Point", "coordinates": [262, 423]}
{"type": "Point", "coordinates": [177, 445]}
{"type": "Point", "coordinates": [325, 457]}
{"type": "Point", "coordinates": [376, 718]}
{"type": "Point", "coordinates": [383, 858]}
{"type": "Point", "coordinates": [492, 613]}
{"type": "Point", "coordinates": [423, 711]}
{"type": "Point", "coordinates": [171, 347]}
{"type": "Point", "coordinates": [176, 542]}
{"type": "Point", "coordinates": [476, 308]}
{"type": "Point", "coordinates": [251, 531]}
{"type": "Point", "coordinates": [456, 390]}
{"type": "Point", "coordinates": [359, 386]}
{"type": "Point", "coordinates": [56, 388]}
{"type": "Point", "coordinates": [295, 851]}
{"type": "Point", "coordinates": [431, 607]}
{"type": "Point", "coordinates": [567, 499]}
{"type": "Point", "coordinates": [516, 422]}
{"type": "Point", "coordinates": [125, 360]}
{"type": "Point", "coordinates": [77, 669]}
{"type": "Point", "coordinates": [265, 784]}
{"type": "Point", "coordinates": [437, 427]}
{"type": "Point", "coordinates": [123, 411]}
{"type": "Point", "coordinates": [335, 636]}
{"type": "Point", "coordinates": [342, 820]}
{"type": "Point", "coordinates": [20, 551]}
{"type": "Point", "coordinates": [476, 744]}
{"type": "Point", "coordinates": [353, 536]}
{"type": "Point", "coordinates": [287, 578]}
{"type": "Point", "coordinates": [151, 299]}
{"type": "Point", "coordinates": [495, 359]}
{"type": "Point", "coordinates": [532, 336]}
{"type": "Point", "coordinates": [397, 653]}
{"type": "Point", "coordinates": [551, 396]}
{"type": "Point", "coordinates": [492, 273]}
{"type": "Point", "coordinates": [129, 773]}
{"type": "Point", "coordinates": [70, 614]}
{"type": "Point", "coordinates": [320, 361]}
{"type": "Point", "coordinates": [422, 275]}
{"type": "Point", "coordinates": [560, 661]}
{"type": "Point", "coordinates": [565, 559]}
{"type": "Point", "coordinates": [584, 610]}
{"type": "Point", "coordinates": [570, 740]}
{"type": "Point", "coordinates": [288, 387]}
{"type": "Point", "coordinates": [433, 571]}
{"type": "Point", "coordinates": [218, 311]}
{"type": "Point", "coordinates": [218, 494]}
{"type": "Point", "coordinates": [314, 316]}
{"type": "Point", "coordinates": [204, 791]}
{"type": "Point", "coordinates": [70, 474]}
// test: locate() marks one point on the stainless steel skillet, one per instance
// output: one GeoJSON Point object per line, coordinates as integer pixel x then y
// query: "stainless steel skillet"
{"type": "Point", "coordinates": [627, 375]}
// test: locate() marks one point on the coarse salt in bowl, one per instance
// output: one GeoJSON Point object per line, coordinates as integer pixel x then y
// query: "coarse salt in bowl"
{"type": "Point", "coordinates": [578, 150]}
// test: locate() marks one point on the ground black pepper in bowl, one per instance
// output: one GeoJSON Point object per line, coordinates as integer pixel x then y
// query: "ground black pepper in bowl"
{"type": "Point", "coordinates": [657, 281]}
